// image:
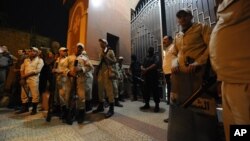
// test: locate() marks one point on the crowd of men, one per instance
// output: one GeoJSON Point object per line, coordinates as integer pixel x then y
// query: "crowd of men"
{"type": "Point", "coordinates": [195, 55]}
{"type": "Point", "coordinates": [68, 79]}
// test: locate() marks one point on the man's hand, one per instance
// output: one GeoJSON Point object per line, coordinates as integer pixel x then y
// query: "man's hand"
{"type": "Point", "coordinates": [143, 70]}
{"type": "Point", "coordinates": [175, 66]}
{"type": "Point", "coordinates": [192, 67]}
{"type": "Point", "coordinates": [28, 75]}
{"type": "Point", "coordinates": [56, 71]}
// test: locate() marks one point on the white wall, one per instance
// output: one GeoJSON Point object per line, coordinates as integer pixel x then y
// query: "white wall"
{"type": "Point", "coordinates": [133, 3]}
{"type": "Point", "coordinates": [112, 16]}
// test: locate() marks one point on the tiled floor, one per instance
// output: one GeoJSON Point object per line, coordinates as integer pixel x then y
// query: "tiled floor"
{"type": "Point", "coordinates": [128, 124]}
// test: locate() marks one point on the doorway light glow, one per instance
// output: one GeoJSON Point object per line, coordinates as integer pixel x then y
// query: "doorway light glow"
{"type": "Point", "coordinates": [97, 3]}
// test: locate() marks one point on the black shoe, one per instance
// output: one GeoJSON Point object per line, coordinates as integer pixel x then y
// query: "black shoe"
{"type": "Point", "coordinates": [146, 106]}
{"type": "Point", "coordinates": [24, 109]}
{"type": "Point", "coordinates": [121, 99]}
{"type": "Point", "coordinates": [70, 116]}
{"type": "Point", "coordinates": [109, 114]}
{"type": "Point", "coordinates": [33, 112]}
{"type": "Point", "coordinates": [34, 109]}
{"type": "Point", "coordinates": [166, 120]}
{"type": "Point", "coordinates": [99, 109]}
{"type": "Point", "coordinates": [81, 116]}
{"type": "Point", "coordinates": [110, 111]}
{"type": "Point", "coordinates": [157, 109]}
{"type": "Point", "coordinates": [88, 105]}
{"type": "Point", "coordinates": [64, 113]}
{"type": "Point", "coordinates": [117, 103]}
{"type": "Point", "coordinates": [56, 110]}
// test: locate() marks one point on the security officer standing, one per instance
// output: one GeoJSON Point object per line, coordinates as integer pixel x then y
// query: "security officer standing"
{"type": "Point", "coordinates": [80, 68]}
{"type": "Point", "coordinates": [30, 71]}
{"type": "Point", "coordinates": [150, 74]}
{"type": "Point", "coordinates": [104, 81]}
{"type": "Point", "coordinates": [116, 85]}
{"type": "Point", "coordinates": [63, 84]}
{"type": "Point", "coordinates": [190, 56]}
{"type": "Point", "coordinates": [89, 69]}
{"type": "Point", "coordinates": [122, 77]}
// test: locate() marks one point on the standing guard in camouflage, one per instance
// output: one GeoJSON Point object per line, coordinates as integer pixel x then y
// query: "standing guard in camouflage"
{"type": "Point", "coordinates": [104, 77]}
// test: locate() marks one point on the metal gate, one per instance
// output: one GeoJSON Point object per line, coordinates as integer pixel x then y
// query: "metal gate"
{"type": "Point", "coordinates": [203, 12]}
{"type": "Point", "coordinates": [146, 28]}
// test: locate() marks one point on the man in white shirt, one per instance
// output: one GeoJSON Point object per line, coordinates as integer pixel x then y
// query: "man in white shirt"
{"type": "Point", "coordinates": [30, 71]}
{"type": "Point", "coordinates": [166, 66]}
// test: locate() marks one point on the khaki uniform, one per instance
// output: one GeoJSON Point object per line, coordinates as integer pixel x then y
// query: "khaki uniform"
{"type": "Point", "coordinates": [230, 58]}
{"type": "Point", "coordinates": [89, 70]}
{"type": "Point", "coordinates": [116, 81]}
{"type": "Point", "coordinates": [63, 83]}
{"type": "Point", "coordinates": [81, 80]}
{"type": "Point", "coordinates": [104, 82]}
{"type": "Point", "coordinates": [185, 124]}
{"type": "Point", "coordinates": [29, 66]}
{"type": "Point", "coordinates": [194, 44]}
{"type": "Point", "coordinates": [121, 73]}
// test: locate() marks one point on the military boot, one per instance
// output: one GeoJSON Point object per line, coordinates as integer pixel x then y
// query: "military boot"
{"type": "Point", "coordinates": [117, 103]}
{"type": "Point", "coordinates": [100, 108]}
{"type": "Point", "coordinates": [64, 113]}
{"type": "Point", "coordinates": [70, 116]}
{"type": "Point", "coordinates": [88, 105]}
{"type": "Point", "coordinates": [24, 108]}
{"type": "Point", "coordinates": [157, 108]}
{"type": "Point", "coordinates": [34, 109]}
{"type": "Point", "coordinates": [80, 116]}
{"type": "Point", "coordinates": [110, 111]}
{"type": "Point", "coordinates": [146, 106]}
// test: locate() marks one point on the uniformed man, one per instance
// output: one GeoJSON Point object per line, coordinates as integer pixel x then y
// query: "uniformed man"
{"type": "Point", "coordinates": [104, 81]}
{"type": "Point", "coordinates": [30, 71]}
{"type": "Point", "coordinates": [89, 69]}
{"type": "Point", "coordinates": [116, 85]}
{"type": "Point", "coordinates": [82, 65]}
{"type": "Point", "coordinates": [149, 72]}
{"type": "Point", "coordinates": [63, 84]}
{"type": "Point", "coordinates": [122, 77]}
{"type": "Point", "coordinates": [190, 52]}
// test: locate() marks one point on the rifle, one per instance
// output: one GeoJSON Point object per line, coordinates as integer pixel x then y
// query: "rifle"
{"type": "Point", "coordinates": [73, 100]}
{"type": "Point", "coordinates": [202, 89]}
{"type": "Point", "coordinates": [51, 100]}
{"type": "Point", "coordinates": [208, 81]}
{"type": "Point", "coordinates": [102, 61]}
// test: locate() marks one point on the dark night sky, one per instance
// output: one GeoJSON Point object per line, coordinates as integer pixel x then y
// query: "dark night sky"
{"type": "Point", "coordinates": [46, 17]}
